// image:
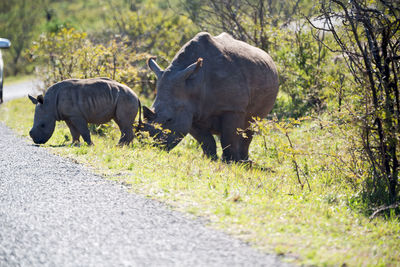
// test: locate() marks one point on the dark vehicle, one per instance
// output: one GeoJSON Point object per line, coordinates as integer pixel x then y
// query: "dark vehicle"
{"type": "Point", "coordinates": [4, 43]}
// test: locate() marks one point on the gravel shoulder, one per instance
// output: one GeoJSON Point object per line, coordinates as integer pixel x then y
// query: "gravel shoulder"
{"type": "Point", "coordinates": [54, 212]}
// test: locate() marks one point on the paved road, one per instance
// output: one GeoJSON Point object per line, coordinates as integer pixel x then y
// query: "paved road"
{"type": "Point", "coordinates": [54, 212]}
{"type": "Point", "coordinates": [20, 89]}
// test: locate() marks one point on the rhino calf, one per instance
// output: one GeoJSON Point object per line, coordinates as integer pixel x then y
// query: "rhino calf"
{"type": "Point", "coordinates": [82, 101]}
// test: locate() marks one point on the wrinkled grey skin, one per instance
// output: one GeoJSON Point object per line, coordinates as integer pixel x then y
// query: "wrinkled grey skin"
{"type": "Point", "coordinates": [214, 85]}
{"type": "Point", "coordinates": [82, 101]}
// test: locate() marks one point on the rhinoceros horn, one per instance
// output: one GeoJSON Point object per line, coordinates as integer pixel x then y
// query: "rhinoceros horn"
{"type": "Point", "coordinates": [151, 62]}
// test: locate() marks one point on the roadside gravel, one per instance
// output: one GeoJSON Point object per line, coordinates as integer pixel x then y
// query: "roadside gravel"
{"type": "Point", "coordinates": [54, 212]}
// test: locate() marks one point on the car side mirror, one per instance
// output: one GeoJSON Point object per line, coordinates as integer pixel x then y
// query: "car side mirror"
{"type": "Point", "coordinates": [4, 43]}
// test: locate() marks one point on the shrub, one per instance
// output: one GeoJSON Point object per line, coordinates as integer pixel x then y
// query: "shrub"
{"type": "Point", "coordinates": [368, 39]}
{"type": "Point", "coordinates": [318, 152]}
{"type": "Point", "coordinates": [71, 54]}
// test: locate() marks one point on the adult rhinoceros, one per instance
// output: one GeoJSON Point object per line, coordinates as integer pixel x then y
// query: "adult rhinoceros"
{"type": "Point", "coordinates": [214, 85]}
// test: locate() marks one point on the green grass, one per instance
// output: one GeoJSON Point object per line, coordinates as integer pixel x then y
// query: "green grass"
{"type": "Point", "coordinates": [263, 204]}
{"type": "Point", "coordinates": [8, 80]}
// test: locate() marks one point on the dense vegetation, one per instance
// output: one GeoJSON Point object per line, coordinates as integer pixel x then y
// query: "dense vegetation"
{"type": "Point", "coordinates": [324, 161]}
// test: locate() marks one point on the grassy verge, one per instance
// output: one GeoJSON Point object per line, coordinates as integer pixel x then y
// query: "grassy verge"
{"type": "Point", "coordinates": [19, 78]}
{"type": "Point", "coordinates": [264, 205]}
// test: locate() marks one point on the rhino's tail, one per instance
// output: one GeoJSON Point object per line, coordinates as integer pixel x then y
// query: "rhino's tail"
{"type": "Point", "coordinates": [140, 123]}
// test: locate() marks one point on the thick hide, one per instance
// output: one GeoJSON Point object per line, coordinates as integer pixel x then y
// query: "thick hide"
{"type": "Point", "coordinates": [214, 85]}
{"type": "Point", "coordinates": [82, 101]}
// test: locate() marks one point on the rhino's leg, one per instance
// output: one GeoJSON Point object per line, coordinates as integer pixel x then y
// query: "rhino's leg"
{"type": "Point", "coordinates": [245, 141]}
{"type": "Point", "coordinates": [207, 141]}
{"type": "Point", "coordinates": [74, 132]}
{"type": "Point", "coordinates": [125, 114]}
{"type": "Point", "coordinates": [126, 129]}
{"type": "Point", "coordinates": [230, 139]}
{"type": "Point", "coordinates": [81, 125]}
{"type": "Point", "coordinates": [244, 145]}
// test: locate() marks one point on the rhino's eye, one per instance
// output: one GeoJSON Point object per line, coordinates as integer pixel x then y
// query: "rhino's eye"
{"type": "Point", "coordinates": [169, 120]}
{"type": "Point", "coordinates": [42, 125]}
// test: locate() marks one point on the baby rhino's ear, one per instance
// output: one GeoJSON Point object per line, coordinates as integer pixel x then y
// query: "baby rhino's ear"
{"type": "Point", "coordinates": [34, 100]}
{"type": "Point", "coordinates": [40, 99]}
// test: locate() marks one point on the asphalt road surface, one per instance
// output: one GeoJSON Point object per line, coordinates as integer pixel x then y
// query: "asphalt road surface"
{"type": "Point", "coordinates": [20, 89]}
{"type": "Point", "coordinates": [54, 212]}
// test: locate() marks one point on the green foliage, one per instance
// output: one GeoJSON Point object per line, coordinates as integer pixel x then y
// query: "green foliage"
{"type": "Point", "coordinates": [85, 16]}
{"type": "Point", "coordinates": [19, 22]}
{"type": "Point", "coordinates": [313, 147]}
{"type": "Point", "coordinates": [286, 148]}
{"type": "Point", "coordinates": [309, 73]}
{"type": "Point", "coordinates": [248, 20]}
{"type": "Point", "coordinates": [151, 27]}
{"type": "Point", "coordinates": [70, 54]}
{"type": "Point", "coordinates": [368, 41]}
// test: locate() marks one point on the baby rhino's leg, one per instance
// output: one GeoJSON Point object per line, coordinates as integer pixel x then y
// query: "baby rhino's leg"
{"type": "Point", "coordinates": [125, 114]}
{"type": "Point", "coordinates": [126, 132]}
{"type": "Point", "coordinates": [81, 125]}
{"type": "Point", "coordinates": [74, 132]}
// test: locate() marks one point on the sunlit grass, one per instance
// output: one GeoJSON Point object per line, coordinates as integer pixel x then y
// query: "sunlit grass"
{"type": "Point", "coordinates": [263, 204]}
{"type": "Point", "coordinates": [8, 80]}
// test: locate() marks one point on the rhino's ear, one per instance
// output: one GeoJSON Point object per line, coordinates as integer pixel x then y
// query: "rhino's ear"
{"type": "Point", "coordinates": [34, 100]}
{"type": "Point", "coordinates": [148, 114]}
{"type": "Point", "coordinates": [40, 99]}
{"type": "Point", "coordinates": [191, 69]}
{"type": "Point", "coordinates": [151, 62]}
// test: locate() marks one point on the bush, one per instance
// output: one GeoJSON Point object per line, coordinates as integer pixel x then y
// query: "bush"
{"type": "Point", "coordinates": [150, 26]}
{"type": "Point", "coordinates": [307, 73]}
{"type": "Point", "coordinates": [368, 39]}
{"type": "Point", "coordinates": [71, 54]}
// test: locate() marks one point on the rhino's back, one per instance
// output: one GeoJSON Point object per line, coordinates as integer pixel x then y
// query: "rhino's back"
{"type": "Point", "coordinates": [238, 76]}
{"type": "Point", "coordinates": [251, 71]}
{"type": "Point", "coordinates": [93, 99]}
